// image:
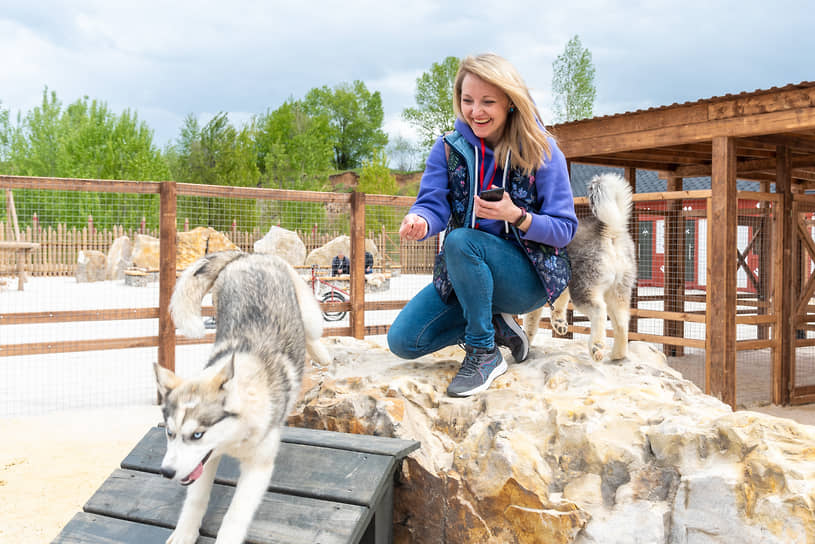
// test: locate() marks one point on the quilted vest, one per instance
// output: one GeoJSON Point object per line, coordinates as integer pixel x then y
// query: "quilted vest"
{"type": "Point", "coordinates": [551, 264]}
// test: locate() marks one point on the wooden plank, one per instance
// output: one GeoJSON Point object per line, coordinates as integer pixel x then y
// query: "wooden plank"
{"type": "Point", "coordinates": [357, 314]}
{"type": "Point", "coordinates": [83, 185]}
{"type": "Point", "coordinates": [684, 132]}
{"type": "Point", "coordinates": [8, 350]}
{"type": "Point", "coordinates": [254, 193]}
{"type": "Point", "coordinates": [318, 472]}
{"type": "Point", "coordinates": [85, 528]}
{"type": "Point", "coordinates": [280, 519]}
{"type": "Point", "coordinates": [674, 267]}
{"type": "Point", "coordinates": [167, 255]}
{"type": "Point", "coordinates": [31, 318]}
{"type": "Point", "coordinates": [783, 358]}
{"type": "Point", "coordinates": [720, 357]}
{"type": "Point", "coordinates": [379, 445]}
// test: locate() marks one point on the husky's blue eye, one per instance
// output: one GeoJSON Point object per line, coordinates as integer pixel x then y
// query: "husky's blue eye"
{"type": "Point", "coordinates": [169, 433]}
{"type": "Point", "coordinates": [197, 435]}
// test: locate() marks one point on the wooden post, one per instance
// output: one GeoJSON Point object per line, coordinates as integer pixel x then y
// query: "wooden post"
{"type": "Point", "coordinates": [767, 222]}
{"type": "Point", "coordinates": [634, 230]}
{"type": "Point", "coordinates": [674, 267]}
{"type": "Point", "coordinates": [720, 323]}
{"type": "Point", "coordinates": [167, 256]}
{"type": "Point", "coordinates": [784, 352]}
{"type": "Point", "coordinates": [357, 316]}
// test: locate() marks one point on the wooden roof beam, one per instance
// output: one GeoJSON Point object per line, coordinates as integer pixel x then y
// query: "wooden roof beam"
{"type": "Point", "coordinates": [745, 167]}
{"type": "Point", "coordinates": [600, 142]}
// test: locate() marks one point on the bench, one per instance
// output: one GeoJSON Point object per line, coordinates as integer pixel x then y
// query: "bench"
{"type": "Point", "coordinates": [21, 251]}
{"type": "Point", "coordinates": [327, 488]}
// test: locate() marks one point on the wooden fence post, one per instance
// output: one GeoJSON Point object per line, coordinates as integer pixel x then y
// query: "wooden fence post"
{"type": "Point", "coordinates": [167, 254]}
{"type": "Point", "coordinates": [357, 318]}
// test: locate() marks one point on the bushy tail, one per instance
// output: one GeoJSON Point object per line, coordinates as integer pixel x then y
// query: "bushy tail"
{"type": "Point", "coordinates": [194, 283]}
{"type": "Point", "coordinates": [610, 202]}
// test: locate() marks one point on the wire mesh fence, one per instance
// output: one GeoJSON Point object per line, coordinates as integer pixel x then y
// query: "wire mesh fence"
{"type": "Point", "coordinates": [85, 328]}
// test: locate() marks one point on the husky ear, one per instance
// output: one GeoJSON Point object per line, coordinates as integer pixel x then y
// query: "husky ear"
{"type": "Point", "coordinates": [166, 381]}
{"type": "Point", "coordinates": [226, 373]}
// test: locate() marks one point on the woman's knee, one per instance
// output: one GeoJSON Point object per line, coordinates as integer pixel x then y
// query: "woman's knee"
{"type": "Point", "coordinates": [458, 241]}
{"type": "Point", "coordinates": [398, 342]}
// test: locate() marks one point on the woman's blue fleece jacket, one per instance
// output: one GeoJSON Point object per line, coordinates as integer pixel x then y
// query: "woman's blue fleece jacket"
{"type": "Point", "coordinates": [554, 224]}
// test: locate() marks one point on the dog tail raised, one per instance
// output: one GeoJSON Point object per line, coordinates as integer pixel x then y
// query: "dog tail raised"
{"type": "Point", "coordinates": [610, 200]}
{"type": "Point", "coordinates": [194, 283]}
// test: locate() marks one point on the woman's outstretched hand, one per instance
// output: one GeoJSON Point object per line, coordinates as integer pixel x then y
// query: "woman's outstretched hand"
{"type": "Point", "coordinates": [413, 227]}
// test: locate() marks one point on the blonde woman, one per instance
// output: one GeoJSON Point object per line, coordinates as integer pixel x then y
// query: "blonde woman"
{"type": "Point", "coordinates": [503, 253]}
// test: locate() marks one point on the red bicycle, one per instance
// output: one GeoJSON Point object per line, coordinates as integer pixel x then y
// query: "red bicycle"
{"type": "Point", "coordinates": [330, 293]}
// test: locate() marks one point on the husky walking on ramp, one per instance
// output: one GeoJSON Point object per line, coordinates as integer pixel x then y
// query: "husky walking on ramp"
{"type": "Point", "coordinates": [267, 321]}
{"type": "Point", "coordinates": [604, 269]}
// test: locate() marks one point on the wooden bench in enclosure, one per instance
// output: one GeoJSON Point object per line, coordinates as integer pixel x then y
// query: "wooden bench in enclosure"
{"type": "Point", "coordinates": [327, 487]}
{"type": "Point", "coordinates": [21, 251]}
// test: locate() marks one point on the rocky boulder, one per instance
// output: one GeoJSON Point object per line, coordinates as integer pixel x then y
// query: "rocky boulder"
{"type": "Point", "coordinates": [119, 258]}
{"type": "Point", "coordinates": [194, 244]}
{"type": "Point", "coordinates": [90, 266]}
{"type": "Point", "coordinates": [190, 246]}
{"type": "Point", "coordinates": [322, 256]}
{"type": "Point", "coordinates": [564, 450]}
{"type": "Point", "coordinates": [283, 243]}
{"type": "Point", "coordinates": [146, 252]}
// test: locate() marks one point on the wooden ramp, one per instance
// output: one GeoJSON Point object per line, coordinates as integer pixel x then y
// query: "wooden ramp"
{"type": "Point", "coordinates": [327, 488]}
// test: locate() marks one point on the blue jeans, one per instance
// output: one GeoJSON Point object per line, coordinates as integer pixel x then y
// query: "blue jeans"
{"type": "Point", "coordinates": [489, 275]}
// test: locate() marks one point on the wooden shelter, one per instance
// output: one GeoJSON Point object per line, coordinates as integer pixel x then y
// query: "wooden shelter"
{"type": "Point", "coordinates": [766, 136]}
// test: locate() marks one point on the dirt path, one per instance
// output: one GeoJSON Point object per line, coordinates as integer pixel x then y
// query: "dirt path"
{"type": "Point", "coordinates": [50, 465]}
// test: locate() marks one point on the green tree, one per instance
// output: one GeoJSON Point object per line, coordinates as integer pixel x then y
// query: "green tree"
{"type": "Point", "coordinates": [293, 148]}
{"type": "Point", "coordinates": [216, 154]}
{"type": "Point", "coordinates": [403, 154]}
{"type": "Point", "coordinates": [434, 98]}
{"type": "Point", "coordinates": [85, 140]}
{"type": "Point", "coordinates": [5, 138]}
{"type": "Point", "coordinates": [354, 116]}
{"type": "Point", "coordinates": [573, 83]}
{"type": "Point", "coordinates": [376, 178]}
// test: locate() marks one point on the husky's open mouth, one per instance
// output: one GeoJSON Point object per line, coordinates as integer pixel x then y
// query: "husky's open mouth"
{"type": "Point", "coordinates": [197, 471]}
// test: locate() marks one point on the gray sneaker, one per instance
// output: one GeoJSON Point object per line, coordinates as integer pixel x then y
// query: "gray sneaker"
{"type": "Point", "coordinates": [479, 368]}
{"type": "Point", "coordinates": [508, 333]}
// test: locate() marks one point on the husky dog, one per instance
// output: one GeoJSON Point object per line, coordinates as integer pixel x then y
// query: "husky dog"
{"type": "Point", "coordinates": [267, 320]}
{"type": "Point", "coordinates": [604, 269]}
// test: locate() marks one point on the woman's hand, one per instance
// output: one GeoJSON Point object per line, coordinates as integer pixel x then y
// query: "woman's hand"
{"type": "Point", "coordinates": [503, 210]}
{"type": "Point", "coordinates": [413, 227]}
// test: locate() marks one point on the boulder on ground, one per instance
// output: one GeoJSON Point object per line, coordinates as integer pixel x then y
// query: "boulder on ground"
{"type": "Point", "coordinates": [561, 449]}
{"type": "Point", "coordinates": [283, 243]}
{"type": "Point", "coordinates": [119, 258]}
{"type": "Point", "coordinates": [90, 266]}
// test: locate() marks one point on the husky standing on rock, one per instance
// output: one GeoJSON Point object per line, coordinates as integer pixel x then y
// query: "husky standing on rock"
{"type": "Point", "coordinates": [604, 269]}
{"type": "Point", "coordinates": [267, 321]}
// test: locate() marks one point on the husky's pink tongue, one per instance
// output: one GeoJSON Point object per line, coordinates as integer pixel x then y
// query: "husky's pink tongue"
{"type": "Point", "coordinates": [195, 474]}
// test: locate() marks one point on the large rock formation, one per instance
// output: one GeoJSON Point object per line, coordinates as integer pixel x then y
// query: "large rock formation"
{"type": "Point", "coordinates": [322, 256]}
{"type": "Point", "coordinates": [565, 450]}
{"type": "Point", "coordinates": [190, 246]}
{"type": "Point", "coordinates": [283, 243]}
{"type": "Point", "coordinates": [90, 266]}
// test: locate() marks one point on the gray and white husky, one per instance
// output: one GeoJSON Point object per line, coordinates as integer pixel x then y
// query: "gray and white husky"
{"type": "Point", "coordinates": [604, 269]}
{"type": "Point", "coordinates": [268, 319]}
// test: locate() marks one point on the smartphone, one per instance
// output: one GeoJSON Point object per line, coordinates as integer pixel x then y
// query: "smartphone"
{"type": "Point", "coordinates": [492, 195]}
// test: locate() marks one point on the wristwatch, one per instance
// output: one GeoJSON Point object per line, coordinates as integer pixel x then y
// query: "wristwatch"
{"type": "Point", "coordinates": [520, 220]}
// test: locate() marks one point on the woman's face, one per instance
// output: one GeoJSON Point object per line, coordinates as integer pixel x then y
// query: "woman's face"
{"type": "Point", "coordinates": [484, 107]}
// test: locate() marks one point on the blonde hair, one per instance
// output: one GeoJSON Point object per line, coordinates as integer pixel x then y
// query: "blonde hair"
{"type": "Point", "coordinates": [523, 135]}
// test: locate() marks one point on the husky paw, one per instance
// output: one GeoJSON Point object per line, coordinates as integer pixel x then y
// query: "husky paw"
{"type": "Point", "coordinates": [183, 537]}
{"type": "Point", "coordinates": [560, 326]}
{"type": "Point", "coordinates": [598, 351]}
{"type": "Point", "coordinates": [619, 353]}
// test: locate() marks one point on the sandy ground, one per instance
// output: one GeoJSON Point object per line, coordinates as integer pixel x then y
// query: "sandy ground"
{"type": "Point", "coordinates": [50, 465]}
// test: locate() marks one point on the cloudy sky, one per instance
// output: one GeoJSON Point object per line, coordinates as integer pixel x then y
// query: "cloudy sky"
{"type": "Point", "coordinates": [165, 60]}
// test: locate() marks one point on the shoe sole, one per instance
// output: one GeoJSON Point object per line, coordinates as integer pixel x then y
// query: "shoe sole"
{"type": "Point", "coordinates": [497, 371]}
{"type": "Point", "coordinates": [517, 329]}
